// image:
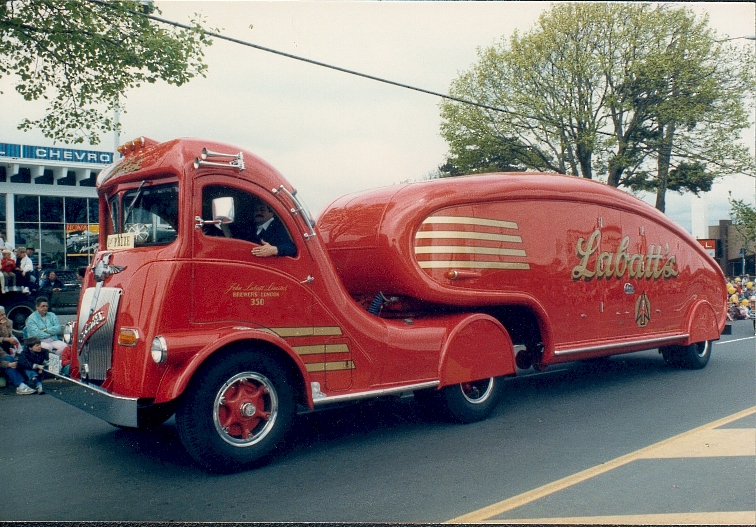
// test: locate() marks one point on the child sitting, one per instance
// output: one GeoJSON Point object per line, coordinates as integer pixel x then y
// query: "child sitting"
{"type": "Point", "coordinates": [8, 266]}
{"type": "Point", "coordinates": [32, 361]}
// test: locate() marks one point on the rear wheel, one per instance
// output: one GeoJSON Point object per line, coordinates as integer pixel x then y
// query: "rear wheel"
{"type": "Point", "coordinates": [464, 403]}
{"type": "Point", "coordinates": [236, 412]}
{"type": "Point", "coordinates": [692, 357]}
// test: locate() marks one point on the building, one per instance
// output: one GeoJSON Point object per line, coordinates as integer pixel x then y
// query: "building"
{"type": "Point", "coordinates": [48, 201]}
{"type": "Point", "coordinates": [730, 253]}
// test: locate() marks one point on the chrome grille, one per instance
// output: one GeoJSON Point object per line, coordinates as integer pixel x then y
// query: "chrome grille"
{"type": "Point", "coordinates": [96, 353]}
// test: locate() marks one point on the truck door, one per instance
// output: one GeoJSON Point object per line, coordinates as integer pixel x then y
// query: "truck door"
{"type": "Point", "coordinates": [231, 285]}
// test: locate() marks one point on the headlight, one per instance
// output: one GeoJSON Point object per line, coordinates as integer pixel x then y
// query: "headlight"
{"type": "Point", "coordinates": [159, 350]}
{"type": "Point", "coordinates": [68, 333]}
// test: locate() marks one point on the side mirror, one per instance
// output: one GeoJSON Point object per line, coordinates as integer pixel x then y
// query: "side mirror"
{"type": "Point", "coordinates": [223, 210]}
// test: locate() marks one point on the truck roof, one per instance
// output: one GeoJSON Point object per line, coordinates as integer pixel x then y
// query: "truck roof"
{"type": "Point", "coordinates": [183, 158]}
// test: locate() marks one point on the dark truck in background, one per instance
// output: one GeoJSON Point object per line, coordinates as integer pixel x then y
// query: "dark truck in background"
{"type": "Point", "coordinates": [19, 305]}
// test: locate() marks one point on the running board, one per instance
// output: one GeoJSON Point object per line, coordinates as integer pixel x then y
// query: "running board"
{"type": "Point", "coordinates": [319, 397]}
{"type": "Point", "coordinates": [651, 343]}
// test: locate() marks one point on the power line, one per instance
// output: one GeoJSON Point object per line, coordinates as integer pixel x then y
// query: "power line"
{"type": "Point", "coordinates": [302, 59]}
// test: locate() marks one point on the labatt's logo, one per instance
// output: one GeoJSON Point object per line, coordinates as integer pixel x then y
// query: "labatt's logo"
{"type": "Point", "coordinates": [654, 265]}
{"type": "Point", "coordinates": [95, 321]}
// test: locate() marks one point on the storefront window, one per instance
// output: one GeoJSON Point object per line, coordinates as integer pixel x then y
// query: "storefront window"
{"type": "Point", "coordinates": [76, 210]}
{"type": "Point", "coordinates": [51, 209]}
{"type": "Point", "coordinates": [53, 246]}
{"type": "Point", "coordinates": [27, 208]}
{"type": "Point", "coordinates": [63, 231]}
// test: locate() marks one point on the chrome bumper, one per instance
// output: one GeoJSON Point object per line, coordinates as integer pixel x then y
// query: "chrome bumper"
{"type": "Point", "coordinates": [116, 410]}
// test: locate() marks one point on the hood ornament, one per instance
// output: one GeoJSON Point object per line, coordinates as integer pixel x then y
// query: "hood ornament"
{"type": "Point", "coordinates": [102, 269]}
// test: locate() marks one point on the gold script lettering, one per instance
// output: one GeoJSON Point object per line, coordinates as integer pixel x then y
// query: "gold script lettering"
{"type": "Point", "coordinates": [653, 265]}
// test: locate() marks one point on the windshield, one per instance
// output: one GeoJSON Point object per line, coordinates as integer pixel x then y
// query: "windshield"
{"type": "Point", "coordinates": [149, 212]}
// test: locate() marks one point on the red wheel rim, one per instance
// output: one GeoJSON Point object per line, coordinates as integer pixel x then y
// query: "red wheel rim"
{"type": "Point", "coordinates": [245, 409]}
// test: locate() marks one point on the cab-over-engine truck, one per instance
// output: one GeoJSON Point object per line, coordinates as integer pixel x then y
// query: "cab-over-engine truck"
{"type": "Point", "coordinates": [426, 288]}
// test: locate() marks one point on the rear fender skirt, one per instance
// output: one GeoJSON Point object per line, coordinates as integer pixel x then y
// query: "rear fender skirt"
{"type": "Point", "coordinates": [478, 347]}
{"type": "Point", "coordinates": [702, 323]}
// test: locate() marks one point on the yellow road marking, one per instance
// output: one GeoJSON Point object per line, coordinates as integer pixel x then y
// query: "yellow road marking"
{"type": "Point", "coordinates": [644, 453]}
{"type": "Point", "coordinates": [685, 518]}
{"type": "Point", "coordinates": [711, 443]}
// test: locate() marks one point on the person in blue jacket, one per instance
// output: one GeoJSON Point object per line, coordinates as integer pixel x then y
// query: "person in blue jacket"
{"type": "Point", "coordinates": [44, 325]}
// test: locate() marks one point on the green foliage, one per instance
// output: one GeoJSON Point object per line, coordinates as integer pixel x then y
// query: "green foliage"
{"type": "Point", "coordinates": [644, 93]}
{"type": "Point", "coordinates": [489, 154]}
{"type": "Point", "coordinates": [81, 56]}
{"type": "Point", "coordinates": [743, 218]}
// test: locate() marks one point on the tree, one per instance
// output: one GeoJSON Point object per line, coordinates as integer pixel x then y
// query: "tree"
{"type": "Point", "coordinates": [82, 57]}
{"type": "Point", "coordinates": [643, 94]}
{"type": "Point", "coordinates": [743, 218]}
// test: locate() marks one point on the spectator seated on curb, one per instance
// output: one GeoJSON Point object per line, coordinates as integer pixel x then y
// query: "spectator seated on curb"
{"type": "Point", "coordinates": [32, 361]}
{"type": "Point", "coordinates": [9, 345]}
{"type": "Point", "coordinates": [45, 326]}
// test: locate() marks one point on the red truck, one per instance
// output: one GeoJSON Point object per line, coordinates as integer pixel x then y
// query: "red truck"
{"type": "Point", "coordinates": [441, 288]}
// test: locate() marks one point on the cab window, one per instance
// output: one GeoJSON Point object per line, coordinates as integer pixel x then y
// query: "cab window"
{"type": "Point", "coordinates": [149, 212]}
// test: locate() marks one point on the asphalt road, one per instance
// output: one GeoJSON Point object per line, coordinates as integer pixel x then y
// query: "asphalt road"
{"type": "Point", "coordinates": [631, 441]}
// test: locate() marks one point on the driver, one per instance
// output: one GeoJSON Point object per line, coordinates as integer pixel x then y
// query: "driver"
{"type": "Point", "coordinates": [272, 236]}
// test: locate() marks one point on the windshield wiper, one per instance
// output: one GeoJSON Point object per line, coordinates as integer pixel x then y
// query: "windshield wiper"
{"type": "Point", "coordinates": [133, 201]}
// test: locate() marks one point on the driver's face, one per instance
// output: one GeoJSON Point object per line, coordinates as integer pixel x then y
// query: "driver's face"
{"type": "Point", "coordinates": [262, 213]}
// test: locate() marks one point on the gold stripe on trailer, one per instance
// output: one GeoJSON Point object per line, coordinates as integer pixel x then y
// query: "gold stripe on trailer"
{"type": "Point", "coordinates": [467, 235]}
{"type": "Point", "coordinates": [330, 366]}
{"type": "Point", "coordinates": [321, 348]}
{"type": "Point", "coordinates": [460, 249]}
{"type": "Point", "coordinates": [439, 264]}
{"type": "Point", "coordinates": [324, 331]}
{"type": "Point", "coordinates": [466, 220]}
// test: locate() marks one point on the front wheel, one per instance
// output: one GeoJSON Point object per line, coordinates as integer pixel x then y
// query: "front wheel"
{"type": "Point", "coordinates": [236, 412]}
{"type": "Point", "coordinates": [692, 357]}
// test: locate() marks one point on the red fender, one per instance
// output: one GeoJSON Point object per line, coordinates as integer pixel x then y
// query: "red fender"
{"type": "Point", "coordinates": [177, 377]}
{"type": "Point", "coordinates": [477, 348]}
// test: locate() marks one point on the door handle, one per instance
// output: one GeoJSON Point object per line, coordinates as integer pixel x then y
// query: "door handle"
{"type": "Point", "coordinates": [307, 280]}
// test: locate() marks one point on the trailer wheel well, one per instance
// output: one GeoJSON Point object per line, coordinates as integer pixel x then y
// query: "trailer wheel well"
{"type": "Point", "coordinates": [521, 323]}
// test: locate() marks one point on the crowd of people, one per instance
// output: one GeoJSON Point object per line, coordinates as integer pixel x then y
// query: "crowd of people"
{"type": "Point", "coordinates": [18, 270]}
{"type": "Point", "coordinates": [742, 296]}
{"type": "Point", "coordinates": [23, 364]}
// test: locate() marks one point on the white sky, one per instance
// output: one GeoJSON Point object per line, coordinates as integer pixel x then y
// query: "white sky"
{"type": "Point", "coordinates": [331, 133]}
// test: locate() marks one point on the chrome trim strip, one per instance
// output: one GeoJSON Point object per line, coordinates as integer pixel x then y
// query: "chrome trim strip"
{"type": "Point", "coordinates": [604, 347]}
{"type": "Point", "coordinates": [329, 366]}
{"type": "Point", "coordinates": [468, 235]}
{"type": "Point", "coordinates": [116, 410]}
{"type": "Point", "coordinates": [374, 393]}
{"type": "Point", "coordinates": [317, 349]}
{"type": "Point", "coordinates": [307, 331]}
{"type": "Point", "coordinates": [467, 220]}
{"type": "Point", "coordinates": [461, 249]}
{"type": "Point", "coordinates": [461, 264]}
